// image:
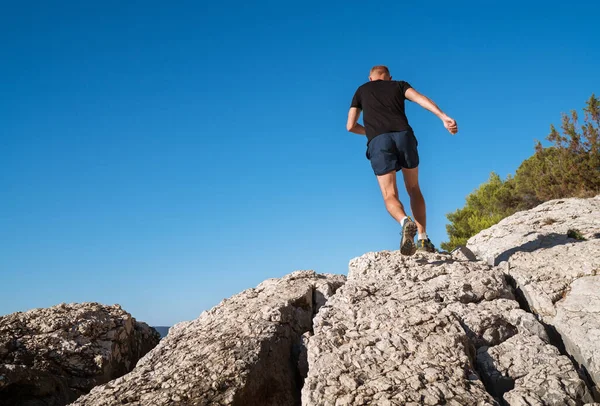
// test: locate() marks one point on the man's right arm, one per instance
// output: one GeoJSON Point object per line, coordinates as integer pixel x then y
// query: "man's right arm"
{"type": "Point", "coordinates": [425, 102]}
{"type": "Point", "coordinates": [352, 124]}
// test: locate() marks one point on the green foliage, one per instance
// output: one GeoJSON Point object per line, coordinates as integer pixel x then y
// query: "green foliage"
{"type": "Point", "coordinates": [575, 234]}
{"type": "Point", "coordinates": [486, 206]}
{"type": "Point", "coordinates": [570, 167]}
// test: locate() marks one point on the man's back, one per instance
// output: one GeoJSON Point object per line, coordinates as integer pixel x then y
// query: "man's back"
{"type": "Point", "coordinates": [382, 103]}
{"type": "Point", "coordinates": [392, 147]}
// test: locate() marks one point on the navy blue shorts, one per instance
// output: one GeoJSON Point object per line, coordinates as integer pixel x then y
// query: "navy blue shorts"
{"type": "Point", "coordinates": [393, 151]}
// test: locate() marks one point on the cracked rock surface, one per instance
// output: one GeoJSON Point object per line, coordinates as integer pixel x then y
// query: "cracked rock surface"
{"type": "Point", "coordinates": [405, 331]}
{"type": "Point", "coordinates": [244, 351]}
{"type": "Point", "coordinates": [558, 276]}
{"type": "Point", "coordinates": [536, 371]}
{"type": "Point", "coordinates": [431, 329]}
{"type": "Point", "coordinates": [51, 356]}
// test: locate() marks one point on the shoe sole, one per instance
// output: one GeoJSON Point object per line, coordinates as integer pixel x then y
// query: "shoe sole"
{"type": "Point", "coordinates": [407, 246]}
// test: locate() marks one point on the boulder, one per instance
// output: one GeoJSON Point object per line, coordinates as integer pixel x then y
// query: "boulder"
{"type": "Point", "coordinates": [544, 226]}
{"type": "Point", "coordinates": [577, 320]}
{"type": "Point", "coordinates": [521, 327]}
{"type": "Point", "coordinates": [52, 356]}
{"type": "Point", "coordinates": [552, 256]}
{"type": "Point", "coordinates": [524, 370]}
{"type": "Point", "coordinates": [244, 351]}
{"type": "Point", "coordinates": [406, 330]}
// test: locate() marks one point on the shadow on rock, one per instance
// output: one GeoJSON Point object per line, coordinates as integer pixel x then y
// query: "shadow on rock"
{"type": "Point", "coordinates": [542, 241]}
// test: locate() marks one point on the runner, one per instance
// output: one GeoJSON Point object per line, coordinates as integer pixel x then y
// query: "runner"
{"type": "Point", "coordinates": [392, 146]}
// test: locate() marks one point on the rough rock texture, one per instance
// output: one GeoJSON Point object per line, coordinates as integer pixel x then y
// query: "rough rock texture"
{"type": "Point", "coordinates": [462, 253]}
{"type": "Point", "coordinates": [558, 276]}
{"type": "Point", "coordinates": [242, 352]}
{"type": "Point", "coordinates": [542, 227]}
{"type": "Point", "coordinates": [536, 371]}
{"type": "Point", "coordinates": [51, 356]}
{"type": "Point", "coordinates": [432, 329]}
{"type": "Point", "coordinates": [404, 331]}
{"type": "Point", "coordinates": [578, 322]}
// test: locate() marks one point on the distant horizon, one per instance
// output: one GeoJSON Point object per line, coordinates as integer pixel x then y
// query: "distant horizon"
{"type": "Point", "coordinates": [165, 157]}
{"type": "Point", "coordinates": [163, 330]}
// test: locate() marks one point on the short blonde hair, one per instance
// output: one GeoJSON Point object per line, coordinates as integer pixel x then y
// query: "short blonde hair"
{"type": "Point", "coordinates": [380, 69]}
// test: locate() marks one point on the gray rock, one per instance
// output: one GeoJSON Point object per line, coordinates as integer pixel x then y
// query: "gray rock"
{"type": "Point", "coordinates": [404, 331]}
{"type": "Point", "coordinates": [51, 356]}
{"type": "Point", "coordinates": [544, 276]}
{"type": "Point", "coordinates": [245, 351]}
{"type": "Point", "coordinates": [577, 320]}
{"type": "Point", "coordinates": [490, 323]}
{"type": "Point", "coordinates": [401, 331]}
{"type": "Point", "coordinates": [556, 275]}
{"type": "Point", "coordinates": [524, 370]}
{"type": "Point", "coordinates": [424, 330]}
{"type": "Point", "coordinates": [544, 226]}
{"type": "Point", "coordinates": [462, 253]}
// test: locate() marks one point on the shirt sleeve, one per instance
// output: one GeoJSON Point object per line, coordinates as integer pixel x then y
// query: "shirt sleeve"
{"type": "Point", "coordinates": [404, 86]}
{"type": "Point", "coordinates": [356, 100]}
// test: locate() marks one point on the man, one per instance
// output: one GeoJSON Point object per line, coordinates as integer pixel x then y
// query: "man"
{"type": "Point", "coordinates": [392, 146]}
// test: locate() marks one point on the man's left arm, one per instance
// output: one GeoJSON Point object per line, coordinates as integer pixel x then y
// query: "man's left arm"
{"type": "Point", "coordinates": [352, 125]}
{"type": "Point", "coordinates": [425, 102]}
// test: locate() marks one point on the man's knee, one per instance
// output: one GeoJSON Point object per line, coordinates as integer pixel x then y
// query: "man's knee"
{"type": "Point", "coordinates": [413, 190]}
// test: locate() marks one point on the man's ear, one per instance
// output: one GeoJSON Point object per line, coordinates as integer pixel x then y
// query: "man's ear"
{"type": "Point", "coordinates": [370, 79]}
{"type": "Point", "coordinates": [390, 77]}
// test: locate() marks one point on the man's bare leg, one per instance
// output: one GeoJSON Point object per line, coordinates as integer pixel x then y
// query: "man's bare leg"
{"type": "Point", "coordinates": [389, 190]}
{"type": "Point", "coordinates": [417, 202]}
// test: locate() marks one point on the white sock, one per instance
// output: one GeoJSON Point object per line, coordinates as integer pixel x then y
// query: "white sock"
{"type": "Point", "coordinates": [403, 220]}
{"type": "Point", "coordinates": [422, 236]}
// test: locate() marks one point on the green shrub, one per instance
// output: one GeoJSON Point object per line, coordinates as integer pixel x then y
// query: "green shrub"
{"type": "Point", "coordinates": [570, 167]}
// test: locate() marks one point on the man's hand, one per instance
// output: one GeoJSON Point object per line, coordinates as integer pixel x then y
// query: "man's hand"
{"type": "Point", "coordinates": [450, 124]}
{"type": "Point", "coordinates": [425, 102]}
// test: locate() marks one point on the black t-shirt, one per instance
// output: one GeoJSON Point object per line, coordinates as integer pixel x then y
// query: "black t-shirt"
{"type": "Point", "coordinates": [382, 103]}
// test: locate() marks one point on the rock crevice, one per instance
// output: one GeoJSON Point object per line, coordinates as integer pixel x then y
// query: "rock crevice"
{"type": "Point", "coordinates": [428, 330]}
{"type": "Point", "coordinates": [245, 351]}
{"type": "Point", "coordinates": [555, 274]}
{"type": "Point", "coordinates": [519, 327]}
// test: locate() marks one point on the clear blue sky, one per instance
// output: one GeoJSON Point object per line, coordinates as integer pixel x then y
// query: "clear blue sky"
{"type": "Point", "coordinates": [166, 155]}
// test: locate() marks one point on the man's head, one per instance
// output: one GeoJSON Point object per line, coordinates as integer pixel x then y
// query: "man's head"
{"type": "Point", "coordinates": [380, 72]}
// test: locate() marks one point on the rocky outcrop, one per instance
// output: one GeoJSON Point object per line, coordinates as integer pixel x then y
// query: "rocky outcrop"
{"type": "Point", "coordinates": [520, 328]}
{"type": "Point", "coordinates": [245, 351]}
{"type": "Point", "coordinates": [532, 372]}
{"type": "Point", "coordinates": [51, 356]}
{"type": "Point", "coordinates": [552, 255]}
{"type": "Point", "coordinates": [430, 330]}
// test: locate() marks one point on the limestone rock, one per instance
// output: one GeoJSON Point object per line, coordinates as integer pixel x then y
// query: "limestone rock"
{"type": "Point", "coordinates": [544, 226]}
{"type": "Point", "coordinates": [431, 329]}
{"type": "Point", "coordinates": [524, 370]}
{"type": "Point", "coordinates": [557, 276]}
{"type": "Point", "coordinates": [544, 277]}
{"type": "Point", "coordinates": [390, 336]}
{"type": "Point", "coordinates": [462, 253]}
{"type": "Point", "coordinates": [51, 356]}
{"type": "Point", "coordinates": [490, 323]}
{"type": "Point", "coordinates": [577, 320]}
{"type": "Point", "coordinates": [404, 331]}
{"type": "Point", "coordinates": [244, 351]}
